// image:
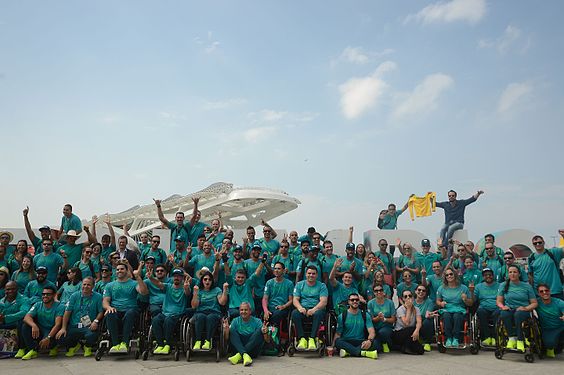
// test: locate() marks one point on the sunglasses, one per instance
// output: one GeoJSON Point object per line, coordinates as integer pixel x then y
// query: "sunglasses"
{"type": "Point", "coordinates": [46, 294]}
{"type": "Point", "coordinates": [354, 300]}
{"type": "Point", "coordinates": [105, 270]}
{"type": "Point", "coordinates": [383, 244]}
{"type": "Point", "coordinates": [544, 291]}
{"type": "Point", "coordinates": [420, 290]}
{"type": "Point", "coordinates": [537, 243]}
{"type": "Point", "coordinates": [508, 258]}
{"type": "Point", "coordinates": [449, 274]}
{"type": "Point", "coordinates": [156, 241]}
{"type": "Point", "coordinates": [408, 296]}
{"type": "Point", "coordinates": [160, 270]}
{"type": "Point", "coordinates": [378, 290]}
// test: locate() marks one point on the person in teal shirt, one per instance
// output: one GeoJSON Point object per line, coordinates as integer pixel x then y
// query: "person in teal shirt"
{"type": "Point", "coordinates": [35, 287]}
{"type": "Point", "coordinates": [471, 275]}
{"type": "Point", "coordinates": [509, 259]}
{"type": "Point", "coordinates": [426, 258]}
{"type": "Point", "coordinates": [408, 262]}
{"type": "Point", "coordinates": [154, 251]}
{"type": "Point", "coordinates": [268, 243]}
{"type": "Point", "coordinates": [388, 219]}
{"type": "Point", "coordinates": [492, 260]}
{"type": "Point", "coordinates": [289, 261]}
{"type": "Point", "coordinates": [485, 295]}
{"type": "Point", "coordinates": [13, 308]}
{"type": "Point", "coordinates": [51, 261]}
{"type": "Point", "coordinates": [312, 259]}
{"type": "Point", "coordinates": [551, 318]}
{"type": "Point", "coordinates": [355, 335]}
{"type": "Point", "coordinates": [328, 259]}
{"type": "Point", "coordinates": [74, 284]}
{"type": "Point", "coordinates": [407, 284]}
{"type": "Point", "coordinates": [544, 266]}
{"type": "Point", "coordinates": [341, 291]}
{"type": "Point", "coordinates": [310, 300]}
{"type": "Point", "coordinates": [452, 299]}
{"type": "Point", "coordinates": [378, 281]}
{"type": "Point", "coordinates": [83, 313]}
{"type": "Point", "coordinates": [177, 229]}
{"type": "Point", "coordinates": [156, 293]}
{"type": "Point", "coordinates": [426, 307]}
{"type": "Point", "coordinates": [207, 259]}
{"type": "Point", "coordinates": [25, 274]}
{"type": "Point", "coordinates": [389, 262]}
{"type": "Point", "coordinates": [106, 272]}
{"type": "Point", "coordinates": [69, 221]}
{"type": "Point", "coordinates": [433, 281]}
{"type": "Point", "coordinates": [241, 289]}
{"type": "Point", "coordinates": [206, 302]}
{"type": "Point", "coordinates": [216, 236]}
{"type": "Point", "coordinates": [516, 300]}
{"type": "Point", "coordinates": [42, 323]}
{"type": "Point", "coordinates": [73, 250]}
{"type": "Point", "coordinates": [383, 314]}
{"type": "Point", "coordinates": [251, 266]}
{"type": "Point", "coordinates": [278, 296]}
{"type": "Point", "coordinates": [87, 266]}
{"type": "Point", "coordinates": [351, 264]}
{"type": "Point", "coordinates": [120, 303]}
{"type": "Point", "coordinates": [174, 307]}
{"type": "Point", "coordinates": [247, 335]}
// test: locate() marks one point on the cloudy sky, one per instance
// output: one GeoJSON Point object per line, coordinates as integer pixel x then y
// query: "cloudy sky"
{"type": "Point", "coordinates": [347, 106]}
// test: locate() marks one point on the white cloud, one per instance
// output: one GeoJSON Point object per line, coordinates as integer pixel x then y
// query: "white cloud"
{"type": "Point", "coordinates": [512, 95]}
{"type": "Point", "coordinates": [470, 11]}
{"type": "Point", "coordinates": [274, 116]}
{"type": "Point", "coordinates": [424, 96]}
{"type": "Point", "coordinates": [255, 135]}
{"type": "Point", "coordinates": [360, 94]}
{"type": "Point", "coordinates": [508, 40]}
{"type": "Point", "coordinates": [224, 104]}
{"type": "Point", "coordinates": [354, 55]}
{"type": "Point", "coordinates": [210, 45]}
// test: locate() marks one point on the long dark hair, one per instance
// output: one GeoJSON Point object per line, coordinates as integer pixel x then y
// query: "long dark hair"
{"type": "Point", "coordinates": [204, 274]}
{"type": "Point", "coordinates": [506, 286]}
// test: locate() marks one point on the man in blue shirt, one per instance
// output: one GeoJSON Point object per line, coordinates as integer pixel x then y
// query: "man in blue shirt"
{"type": "Point", "coordinates": [355, 333]}
{"type": "Point", "coordinates": [388, 219]}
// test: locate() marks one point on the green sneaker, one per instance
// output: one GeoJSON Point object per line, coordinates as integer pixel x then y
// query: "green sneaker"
{"type": "Point", "coordinates": [247, 360]}
{"type": "Point", "coordinates": [114, 349]}
{"type": "Point", "coordinates": [234, 359]}
{"type": "Point", "coordinates": [20, 353]}
{"type": "Point", "coordinates": [122, 348]}
{"type": "Point", "coordinates": [369, 354]}
{"type": "Point", "coordinates": [158, 350]}
{"type": "Point", "coordinates": [343, 353]}
{"type": "Point", "coordinates": [197, 345]}
{"type": "Point", "coordinates": [385, 348]}
{"type": "Point", "coordinates": [487, 342]}
{"type": "Point", "coordinates": [511, 344]}
{"type": "Point", "coordinates": [30, 355]}
{"type": "Point", "coordinates": [427, 347]}
{"type": "Point", "coordinates": [207, 345]}
{"type": "Point", "coordinates": [72, 351]}
{"type": "Point", "coordinates": [302, 344]}
{"type": "Point", "coordinates": [550, 353]}
{"type": "Point", "coordinates": [493, 341]}
{"type": "Point", "coordinates": [87, 351]}
{"type": "Point", "coordinates": [311, 344]}
{"type": "Point", "coordinates": [54, 352]}
{"type": "Point", "coordinates": [165, 350]}
{"type": "Point", "coordinates": [521, 346]}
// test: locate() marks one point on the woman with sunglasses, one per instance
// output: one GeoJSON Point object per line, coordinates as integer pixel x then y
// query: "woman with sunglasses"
{"type": "Point", "coordinates": [383, 314]}
{"type": "Point", "coordinates": [452, 299]}
{"type": "Point", "coordinates": [407, 284]}
{"type": "Point", "coordinates": [408, 262]}
{"type": "Point", "coordinates": [408, 324]}
{"type": "Point", "coordinates": [87, 266]}
{"type": "Point", "coordinates": [25, 274]}
{"type": "Point", "coordinates": [206, 300]}
{"type": "Point", "coordinates": [551, 318]}
{"type": "Point", "coordinates": [427, 308]}
{"type": "Point", "coordinates": [69, 287]}
{"type": "Point", "coordinates": [378, 281]}
{"type": "Point", "coordinates": [516, 300]}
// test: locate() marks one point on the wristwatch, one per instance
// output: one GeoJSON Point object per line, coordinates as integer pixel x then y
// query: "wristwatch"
{"type": "Point", "coordinates": [48, 337]}
{"type": "Point", "coordinates": [96, 321]}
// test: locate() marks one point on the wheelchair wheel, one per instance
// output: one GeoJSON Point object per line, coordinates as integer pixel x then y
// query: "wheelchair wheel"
{"type": "Point", "coordinates": [529, 357]}
{"type": "Point", "coordinates": [291, 339]}
{"type": "Point", "coordinates": [536, 338]}
{"type": "Point", "coordinates": [99, 354]}
{"type": "Point", "coordinates": [498, 354]}
{"type": "Point", "coordinates": [217, 353]}
{"type": "Point", "coordinates": [188, 355]}
{"type": "Point", "coordinates": [145, 355]}
{"type": "Point", "coordinates": [137, 353]}
{"type": "Point", "coordinates": [291, 351]}
{"type": "Point", "coordinates": [177, 355]}
{"type": "Point", "coordinates": [473, 335]}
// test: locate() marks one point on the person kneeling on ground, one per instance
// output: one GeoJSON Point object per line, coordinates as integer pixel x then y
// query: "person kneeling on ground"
{"type": "Point", "coordinates": [551, 318]}
{"type": "Point", "coordinates": [355, 334]}
{"type": "Point", "coordinates": [247, 335]}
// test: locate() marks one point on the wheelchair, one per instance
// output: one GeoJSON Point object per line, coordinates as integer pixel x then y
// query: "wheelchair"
{"type": "Point", "coordinates": [219, 345]}
{"type": "Point", "coordinates": [323, 333]}
{"type": "Point", "coordinates": [470, 339]}
{"type": "Point", "coordinates": [531, 334]}
{"type": "Point", "coordinates": [178, 344]}
{"type": "Point", "coordinates": [137, 341]}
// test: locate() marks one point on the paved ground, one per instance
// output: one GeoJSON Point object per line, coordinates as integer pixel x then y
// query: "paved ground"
{"type": "Point", "coordinates": [394, 363]}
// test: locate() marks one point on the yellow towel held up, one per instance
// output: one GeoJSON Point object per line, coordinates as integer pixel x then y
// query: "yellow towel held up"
{"type": "Point", "coordinates": [422, 206]}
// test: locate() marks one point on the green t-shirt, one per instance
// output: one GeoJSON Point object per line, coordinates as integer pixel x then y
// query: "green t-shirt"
{"type": "Point", "coordinates": [387, 308]}
{"type": "Point", "coordinates": [246, 328]}
{"type": "Point", "coordinates": [434, 282]}
{"type": "Point", "coordinates": [251, 267]}
{"type": "Point", "coordinates": [159, 255]}
{"type": "Point", "coordinates": [471, 276]}
{"type": "Point", "coordinates": [45, 317]}
{"type": "Point", "coordinates": [518, 294]}
{"type": "Point", "coordinates": [486, 295]}
{"type": "Point", "coordinates": [100, 286]}
{"type": "Point", "coordinates": [14, 311]}
{"type": "Point", "coordinates": [33, 290]}
{"type": "Point", "coordinates": [354, 327]}
{"type": "Point", "coordinates": [196, 231]}
{"type": "Point", "coordinates": [545, 270]}
{"type": "Point", "coordinates": [52, 262]}
{"type": "Point", "coordinates": [201, 261]}
{"type": "Point", "coordinates": [289, 263]}
{"type": "Point", "coordinates": [391, 221]}
{"type": "Point", "coordinates": [86, 269]}
{"type": "Point", "coordinates": [241, 293]}
{"type": "Point", "coordinates": [309, 294]}
{"type": "Point", "coordinates": [427, 305]}
{"type": "Point", "coordinates": [106, 251]}
{"type": "Point", "coordinates": [402, 287]}
{"type": "Point", "coordinates": [22, 279]}
{"type": "Point", "coordinates": [549, 314]}
{"type": "Point", "coordinates": [278, 293]}
{"type": "Point", "coordinates": [208, 300]}
{"type": "Point", "coordinates": [67, 290]}
{"type": "Point", "coordinates": [453, 298]}
{"type": "Point", "coordinates": [81, 306]}
{"type": "Point", "coordinates": [175, 231]}
{"type": "Point", "coordinates": [123, 294]}
{"type": "Point", "coordinates": [156, 294]}
{"type": "Point", "coordinates": [175, 300]}
{"type": "Point", "coordinates": [341, 293]}
{"type": "Point", "coordinates": [387, 259]}
{"type": "Point", "coordinates": [71, 223]}
{"type": "Point", "coordinates": [328, 262]}
{"type": "Point", "coordinates": [271, 247]}
{"type": "Point", "coordinates": [73, 252]}
{"type": "Point", "coordinates": [427, 260]}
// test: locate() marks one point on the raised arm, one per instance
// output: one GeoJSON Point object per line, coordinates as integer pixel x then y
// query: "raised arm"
{"type": "Point", "coordinates": [351, 230]}
{"type": "Point", "coordinates": [27, 225]}
{"type": "Point", "coordinates": [162, 218]}
{"type": "Point", "coordinates": [478, 193]}
{"type": "Point", "coordinates": [194, 210]}
{"type": "Point", "coordinates": [154, 280]}
{"type": "Point", "coordinates": [141, 286]}
{"type": "Point", "coordinates": [333, 274]}
{"type": "Point", "coordinates": [273, 232]}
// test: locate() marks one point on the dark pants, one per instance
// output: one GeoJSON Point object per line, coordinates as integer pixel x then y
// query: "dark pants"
{"type": "Point", "coordinates": [75, 334]}
{"type": "Point", "coordinates": [485, 317]}
{"type": "Point", "coordinates": [352, 346]}
{"type": "Point", "coordinates": [403, 342]}
{"type": "Point", "coordinates": [32, 343]}
{"type": "Point", "coordinates": [258, 306]}
{"type": "Point", "coordinates": [155, 310]}
{"type": "Point", "coordinates": [384, 335]}
{"type": "Point", "coordinates": [512, 319]}
{"type": "Point", "coordinates": [278, 316]}
{"type": "Point", "coordinates": [250, 344]}
{"type": "Point", "coordinates": [553, 337]}
{"type": "Point", "coordinates": [233, 313]}
{"type": "Point", "coordinates": [163, 328]}
{"type": "Point", "coordinates": [298, 317]}
{"type": "Point", "coordinates": [127, 319]}
{"type": "Point", "coordinates": [205, 320]}
{"type": "Point", "coordinates": [427, 330]}
{"type": "Point", "coordinates": [452, 322]}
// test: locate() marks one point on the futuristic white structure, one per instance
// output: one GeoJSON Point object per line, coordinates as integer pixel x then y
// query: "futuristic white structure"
{"type": "Point", "coordinates": [239, 207]}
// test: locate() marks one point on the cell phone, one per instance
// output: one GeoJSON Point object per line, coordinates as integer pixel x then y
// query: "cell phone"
{"type": "Point", "coordinates": [264, 257]}
{"type": "Point", "coordinates": [392, 249]}
{"type": "Point", "coordinates": [224, 258]}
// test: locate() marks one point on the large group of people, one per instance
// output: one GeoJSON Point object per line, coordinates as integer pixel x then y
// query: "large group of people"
{"type": "Point", "coordinates": [60, 297]}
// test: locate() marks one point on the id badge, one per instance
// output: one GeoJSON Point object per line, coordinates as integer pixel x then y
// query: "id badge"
{"type": "Point", "coordinates": [85, 321]}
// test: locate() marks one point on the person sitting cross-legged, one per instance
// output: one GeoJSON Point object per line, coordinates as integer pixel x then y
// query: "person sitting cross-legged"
{"type": "Point", "coordinates": [355, 334]}
{"type": "Point", "coordinates": [247, 334]}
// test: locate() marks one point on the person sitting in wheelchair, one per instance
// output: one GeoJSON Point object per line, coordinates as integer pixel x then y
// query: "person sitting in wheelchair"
{"type": "Point", "coordinates": [247, 335]}
{"type": "Point", "coordinates": [310, 300]}
{"type": "Point", "coordinates": [174, 306]}
{"type": "Point", "coordinates": [452, 299]}
{"type": "Point", "coordinates": [342, 290]}
{"type": "Point", "coordinates": [241, 288]}
{"type": "Point", "coordinates": [355, 334]}
{"type": "Point", "coordinates": [206, 301]}
{"type": "Point", "coordinates": [551, 318]}
{"type": "Point", "coordinates": [120, 303]}
{"type": "Point", "coordinates": [278, 299]}
{"type": "Point", "coordinates": [485, 294]}
{"type": "Point", "coordinates": [516, 300]}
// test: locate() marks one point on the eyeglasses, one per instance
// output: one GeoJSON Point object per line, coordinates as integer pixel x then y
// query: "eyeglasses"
{"type": "Point", "coordinates": [88, 252]}
{"type": "Point", "coordinates": [408, 296]}
{"type": "Point", "coordinates": [544, 291]}
{"type": "Point", "coordinates": [206, 279]}
{"type": "Point", "coordinates": [449, 274]}
{"type": "Point", "coordinates": [507, 258]}
{"type": "Point", "coordinates": [354, 300]}
{"type": "Point", "coordinates": [46, 294]}
{"type": "Point", "coordinates": [537, 243]}
{"type": "Point", "coordinates": [153, 241]}
{"type": "Point", "coordinates": [378, 290]}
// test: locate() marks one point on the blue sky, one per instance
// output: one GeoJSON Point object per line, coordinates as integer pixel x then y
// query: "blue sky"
{"type": "Point", "coordinates": [347, 106]}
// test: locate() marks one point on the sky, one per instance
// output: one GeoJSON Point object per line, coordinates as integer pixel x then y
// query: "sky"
{"type": "Point", "coordinates": [347, 106]}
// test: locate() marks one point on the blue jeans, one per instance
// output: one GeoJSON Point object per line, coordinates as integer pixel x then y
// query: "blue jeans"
{"type": "Point", "coordinates": [384, 335]}
{"type": "Point", "coordinates": [277, 316]}
{"type": "Point", "coordinates": [452, 323]}
{"type": "Point", "coordinates": [352, 346]}
{"type": "Point", "coordinates": [127, 319]}
{"type": "Point", "coordinates": [447, 231]}
{"type": "Point", "coordinates": [512, 319]}
{"type": "Point", "coordinates": [75, 334]}
{"type": "Point", "coordinates": [163, 328]}
{"type": "Point", "coordinates": [207, 320]}
{"type": "Point", "coordinates": [553, 337]}
{"type": "Point", "coordinates": [250, 344]}
{"type": "Point", "coordinates": [298, 318]}
{"type": "Point", "coordinates": [485, 317]}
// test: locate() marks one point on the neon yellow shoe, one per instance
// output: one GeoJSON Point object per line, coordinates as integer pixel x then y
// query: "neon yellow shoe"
{"type": "Point", "coordinates": [311, 344]}
{"type": "Point", "coordinates": [234, 359]}
{"type": "Point", "coordinates": [165, 350]}
{"type": "Point", "coordinates": [487, 341]}
{"type": "Point", "coordinates": [20, 353]}
{"type": "Point", "coordinates": [30, 355]}
{"type": "Point", "coordinates": [426, 347]}
{"type": "Point", "coordinates": [87, 351]}
{"type": "Point", "coordinates": [369, 354]}
{"type": "Point", "coordinates": [114, 349]}
{"type": "Point", "coordinates": [197, 345]}
{"type": "Point", "coordinates": [207, 345]}
{"type": "Point", "coordinates": [72, 351]}
{"type": "Point", "coordinates": [493, 341]}
{"type": "Point", "coordinates": [521, 345]}
{"type": "Point", "coordinates": [54, 352]}
{"type": "Point", "coordinates": [385, 348]}
{"type": "Point", "coordinates": [302, 344]}
{"type": "Point", "coordinates": [511, 344]}
{"type": "Point", "coordinates": [247, 360]}
{"type": "Point", "coordinates": [343, 353]}
{"type": "Point", "coordinates": [550, 353]}
{"type": "Point", "coordinates": [122, 348]}
{"type": "Point", "coordinates": [158, 350]}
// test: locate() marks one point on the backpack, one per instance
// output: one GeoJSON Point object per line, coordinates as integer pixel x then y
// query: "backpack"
{"type": "Point", "coordinates": [532, 259]}
{"type": "Point", "coordinates": [304, 266]}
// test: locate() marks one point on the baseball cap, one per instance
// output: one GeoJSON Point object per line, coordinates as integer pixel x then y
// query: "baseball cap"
{"type": "Point", "coordinates": [41, 269]}
{"type": "Point", "coordinates": [349, 245]}
{"type": "Point", "coordinates": [179, 238]}
{"type": "Point", "coordinates": [45, 227]}
{"type": "Point", "coordinates": [425, 243]}
{"type": "Point", "coordinates": [487, 270]}
{"type": "Point", "coordinates": [177, 271]}
{"type": "Point", "coordinates": [256, 245]}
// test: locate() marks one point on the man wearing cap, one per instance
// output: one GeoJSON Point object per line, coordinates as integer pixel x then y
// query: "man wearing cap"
{"type": "Point", "coordinates": [178, 228]}
{"type": "Point", "coordinates": [156, 293]}
{"type": "Point", "coordinates": [310, 300]}
{"type": "Point", "coordinates": [309, 236]}
{"type": "Point", "coordinates": [73, 250]}
{"type": "Point", "coordinates": [388, 219]}
{"type": "Point", "coordinates": [13, 308]}
{"type": "Point", "coordinates": [350, 264]}
{"type": "Point", "coordinates": [42, 323]}
{"type": "Point", "coordinates": [251, 265]}
{"type": "Point", "coordinates": [53, 262]}
{"type": "Point", "coordinates": [485, 293]}
{"type": "Point", "coordinates": [5, 239]}
{"type": "Point", "coordinates": [247, 335]}
{"type": "Point", "coordinates": [106, 274]}
{"type": "Point", "coordinates": [35, 287]}
{"type": "Point", "coordinates": [44, 231]}
{"type": "Point", "coordinates": [83, 313]}
{"type": "Point", "coordinates": [426, 257]}
{"type": "Point", "coordinates": [174, 306]}
{"type": "Point", "coordinates": [155, 251]}
{"type": "Point", "coordinates": [120, 303]}
{"type": "Point", "coordinates": [313, 260]}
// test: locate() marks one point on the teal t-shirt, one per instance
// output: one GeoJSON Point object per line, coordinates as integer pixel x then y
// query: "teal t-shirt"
{"type": "Point", "coordinates": [201, 261]}
{"type": "Point", "coordinates": [71, 223]}
{"type": "Point", "coordinates": [328, 262]}
{"type": "Point", "coordinates": [453, 298]}
{"type": "Point", "coordinates": [81, 305]}
{"type": "Point", "coordinates": [52, 262]}
{"type": "Point", "coordinates": [175, 231]}
{"type": "Point", "coordinates": [278, 293]}
{"type": "Point", "coordinates": [45, 317]}
{"type": "Point", "coordinates": [159, 255]}
{"type": "Point", "coordinates": [86, 269]}
{"type": "Point", "coordinates": [545, 270]}
{"type": "Point", "coordinates": [123, 294]}
{"type": "Point", "coordinates": [549, 314]}
{"type": "Point", "coordinates": [241, 293]}
{"type": "Point", "coordinates": [354, 327]}
{"type": "Point", "coordinates": [494, 264]}
{"type": "Point", "coordinates": [14, 311]}
{"type": "Point", "coordinates": [156, 294]}
{"type": "Point", "coordinates": [289, 263]}
{"type": "Point", "coordinates": [405, 261]}
{"type": "Point", "coordinates": [271, 247]}
{"type": "Point", "coordinates": [304, 263]}
{"type": "Point", "coordinates": [471, 276]}
{"type": "Point", "coordinates": [68, 289]}
{"type": "Point", "coordinates": [402, 287]}
{"type": "Point", "coordinates": [427, 260]}
{"type": "Point", "coordinates": [73, 252]}
{"type": "Point", "coordinates": [175, 299]}
{"type": "Point", "coordinates": [370, 292]}
{"type": "Point", "coordinates": [341, 293]}
{"type": "Point", "coordinates": [208, 300]}
{"type": "Point", "coordinates": [251, 266]}
{"type": "Point", "coordinates": [388, 260]}
{"type": "Point", "coordinates": [309, 294]}
{"type": "Point", "coordinates": [502, 274]}
{"type": "Point", "coordinates": [427, 305]}
{"type": "Point", "coordinates": [391, 221]}
{"type": "Point", "coordinates": [387, 308]}
{"type": "Point", "coordinates": [486, 295]}
{"type": "Point", "coordinates": [105, 253]}
{"type": "Point", "coordinates": [196, 230]}
{"type": "Point", "coordinates": [100, 286]}
{"type": "Point", "coordinates": [246, 328]}
{"type": "Point", "coordinates": [434, 282]}
{"type": "Point", "coordinates": [518, 294]}
{"type": "Point", "coordinates": [33, 290]}
{"type": "Point", "coordinates": [22, 279]}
